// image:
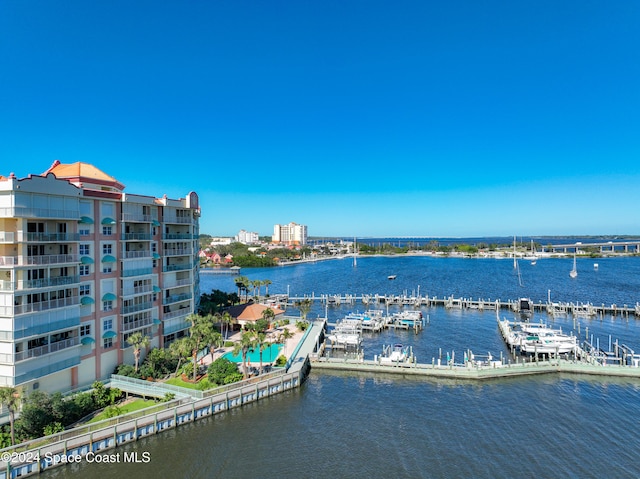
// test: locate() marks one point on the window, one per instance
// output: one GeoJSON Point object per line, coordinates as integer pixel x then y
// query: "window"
{"type": "Point", "coordinates": [107, 248]}
{"type": "Point", "coordinates": [107, 305]}
{"type": "Point", "coordinates": [107, 343]}
{"type": "Point", "coordinates": [84, 232]}
{"type": "Point", "coordinates": [84, 270]}
{"type": "Point", "coordinates": [107, 268]}
{"type": "Point", "coordinates": [85, 289]}
{"type": "Point", "coordinates": [85, 330]}
{"type": "Point", "coordinates": [107, 324]}
{"type": "Point", "coordinates": [107, 230]}
{"type": "Point", "coordinates": [85, 250]}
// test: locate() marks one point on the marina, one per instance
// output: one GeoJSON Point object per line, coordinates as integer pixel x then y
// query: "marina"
{"type": "Point", "coordinates": [582, 309]}
{"type": "Point", "coordinates": [441, 409]}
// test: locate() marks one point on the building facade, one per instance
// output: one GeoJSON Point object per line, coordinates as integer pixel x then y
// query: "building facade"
{"type": "Point", "coordinates": [83, 265]}
{"type": "Point", "coordinates": [291, 234]}
{"type": "Point", "coordinates": [247, 237]}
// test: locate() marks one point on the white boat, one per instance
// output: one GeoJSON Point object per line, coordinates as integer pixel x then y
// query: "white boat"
{"type": "Point", "coordinates": [391, 276]}
{"type": "Point", "coordinates": [396, 355]}
{"type": "Point", "coordinates": [574, 272]}
{"type": "Point", "coordinates": [548, 342]}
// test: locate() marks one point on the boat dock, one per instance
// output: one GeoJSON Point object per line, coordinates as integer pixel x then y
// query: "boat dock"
{"type": "Point", "coordinates": [450, 302]}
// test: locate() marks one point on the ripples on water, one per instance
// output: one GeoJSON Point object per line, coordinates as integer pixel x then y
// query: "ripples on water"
{"type": "Point", "coordinates": [348, 425]}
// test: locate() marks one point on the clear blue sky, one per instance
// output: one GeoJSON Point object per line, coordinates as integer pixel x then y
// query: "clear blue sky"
{"type": "Point", "coordinates": [354, 117]}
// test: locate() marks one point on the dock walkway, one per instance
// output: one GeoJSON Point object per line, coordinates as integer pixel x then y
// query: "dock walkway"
{"type": "Point", "coordinates": [579, 309]}
{"type": "Point", "coordinates": [476, 372]}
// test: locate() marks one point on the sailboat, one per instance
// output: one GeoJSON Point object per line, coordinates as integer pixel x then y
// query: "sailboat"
{"type": "Point", "coordinates": [574, 272]}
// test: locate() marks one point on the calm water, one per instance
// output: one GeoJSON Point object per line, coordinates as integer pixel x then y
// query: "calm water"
{"type": "Point", "coordinates": [357, 425]}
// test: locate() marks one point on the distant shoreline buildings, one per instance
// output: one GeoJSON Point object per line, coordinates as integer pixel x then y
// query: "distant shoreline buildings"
{"type": "Point", "coordinates": [292, 234]}
{"type": "Point", "coordinates": [83, 265]}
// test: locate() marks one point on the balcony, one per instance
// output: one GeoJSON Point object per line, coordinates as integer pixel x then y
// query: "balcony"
{"type": "Point", "coordinates": [177, 283]}
{"type": "Point", "coordinates": [47, 349]}
{"type": "Point", "coordinates": [177, 236]}
{"type": "Point", "coordinates": [48, 282]}
{"type": "Point", "coordinates": [178, 252]}
{"type": "Point", "coordinates": [136, 217]}
{"type": "Point", "coordinates": [136, 324]}
{"type": "Point", "coordinates": [134, 308]}
{"type": "Point", "coordinates": [23, 212]}
{"type": "Point", "coordinates": [53, 237]}
{"type": "Point", "coordinates": [134, 290]}
{"type": "Point", "coordinates": [177, 313]}
{"type": "Point", "coordinates": [128, 273]}
{"type": "Point", "coordinates": [136, 237]}
{"type": "Point", "coordinates": [7, 237]}
{"type": "Point", "coordinates": [46, 305]}
{"type": "Point", "coordinates": [136, 254]}
{"type": "Point", "coordinates": [177, 219]}
{"type": "Point", "coordinates": [176, 298]}
{"type": "Point", "coordinates": [176, 267]}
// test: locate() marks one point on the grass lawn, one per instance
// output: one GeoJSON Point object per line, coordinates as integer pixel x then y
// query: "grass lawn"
{"type": "Point", "coordinates": [202, 384]}
{"type": "Point", "coordinates": [127, 408]}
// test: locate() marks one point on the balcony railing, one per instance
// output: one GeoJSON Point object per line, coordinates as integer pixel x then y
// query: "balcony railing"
{"type": "Point", "coordinates": [7, 237]}
{"type": "Point", "coordinates": [133, 290]}
{"type": "Point", "coordinates": [22, 212]}
{"type": "Point", "coordinates": [136, 324]}
{"type": "Point", "coordinates": [137, 217]}
{"type": "Point", "coordinates": [177, 219]}
{"type": "Point", "coordinates": [53, 237]}
{"type": "Point", "coordinates": [177, 313]}
{"type": "Point", "coordinates": [176, 267]}
{"type": "Point", "coordinates": [137, 307]}
{"type": "Point", "coordinates": [128, 273]}
{"type": "Point", "coordinates": [176, 298]}
{"type": "Point", "coordinates": [178, 252]}
{"type": "Point", "coordinates": [136, 237]}
{"type": "Point", "coordinates": [47, 349]}
{"type": "Point", "coordinates": [47, 282]}
{"type": "Point", "coordinates": [46, 305]}
{"type": "Point", "coordinates": [177, 283]}
{"type": "Point", "coordinates": [177, 236]}
{"type": "Point", "coordinates": [136, 254]}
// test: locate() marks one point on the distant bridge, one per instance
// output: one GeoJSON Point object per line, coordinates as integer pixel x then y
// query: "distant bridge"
{"type": "Point", "coordinates": [604, 247]}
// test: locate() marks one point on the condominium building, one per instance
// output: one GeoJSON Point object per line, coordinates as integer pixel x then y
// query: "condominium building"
{"type": "Point", "coordinates": [83, 265]}
{"type": "Point", "coordinates": [247, 237]}
{"type": "Point", "coordinates": [291, 234]}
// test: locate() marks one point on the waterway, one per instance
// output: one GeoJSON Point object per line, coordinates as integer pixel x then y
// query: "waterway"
{"type": "Point", "coordinates": [362, 425]}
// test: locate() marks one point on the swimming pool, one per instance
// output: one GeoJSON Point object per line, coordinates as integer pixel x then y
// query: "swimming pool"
{"type": "Point", "coordinates": [269, 354]}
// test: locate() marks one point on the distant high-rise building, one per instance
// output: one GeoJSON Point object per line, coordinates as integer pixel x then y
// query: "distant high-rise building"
{"type": "Point", "coordinates": [247, 237]}
{"type": "Point", "coordinates": [83, 265]}
{"type": "Point", "coordinates": [291, 234]}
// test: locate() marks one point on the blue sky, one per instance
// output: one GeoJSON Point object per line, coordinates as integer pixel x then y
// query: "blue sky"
{"type": "Point", "coordinates": [368, 118]}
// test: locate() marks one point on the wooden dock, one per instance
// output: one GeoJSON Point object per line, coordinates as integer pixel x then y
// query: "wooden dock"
{"type": "Point", "coordinates": [586, 309]}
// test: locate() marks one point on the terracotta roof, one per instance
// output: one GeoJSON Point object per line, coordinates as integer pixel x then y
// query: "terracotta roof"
{"type": "Point", "coordinates": [251, 311]}
{"type": "Point", "coordinates": [82, 172]}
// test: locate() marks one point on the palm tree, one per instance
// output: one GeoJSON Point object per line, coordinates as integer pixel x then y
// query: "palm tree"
{"type": "Point", "coordinates": [11, 397]}
{"type": "Point", "coordinates": [268, 315]}
{"type": "Point", "coordinates": [244, 345]}
{"type": "Point", "coordinates": [286, 334]}
{"type": "Point", "coordinates": [138, 341]}
{"type": "Point", "coordinates": [266, 283]}
{"type": "Point", "coordinates": [261, 342]}
{"type": "Point", "coordinates": [214, 341]}
{"type": "Point", "coordinates": [227, 319]}
{"type": "Point", "coordinates": [201, 328]}
{"type": "Point", "coordinates": [304, 306]}
{"type": "Point", "coordinates": [180, 349]}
